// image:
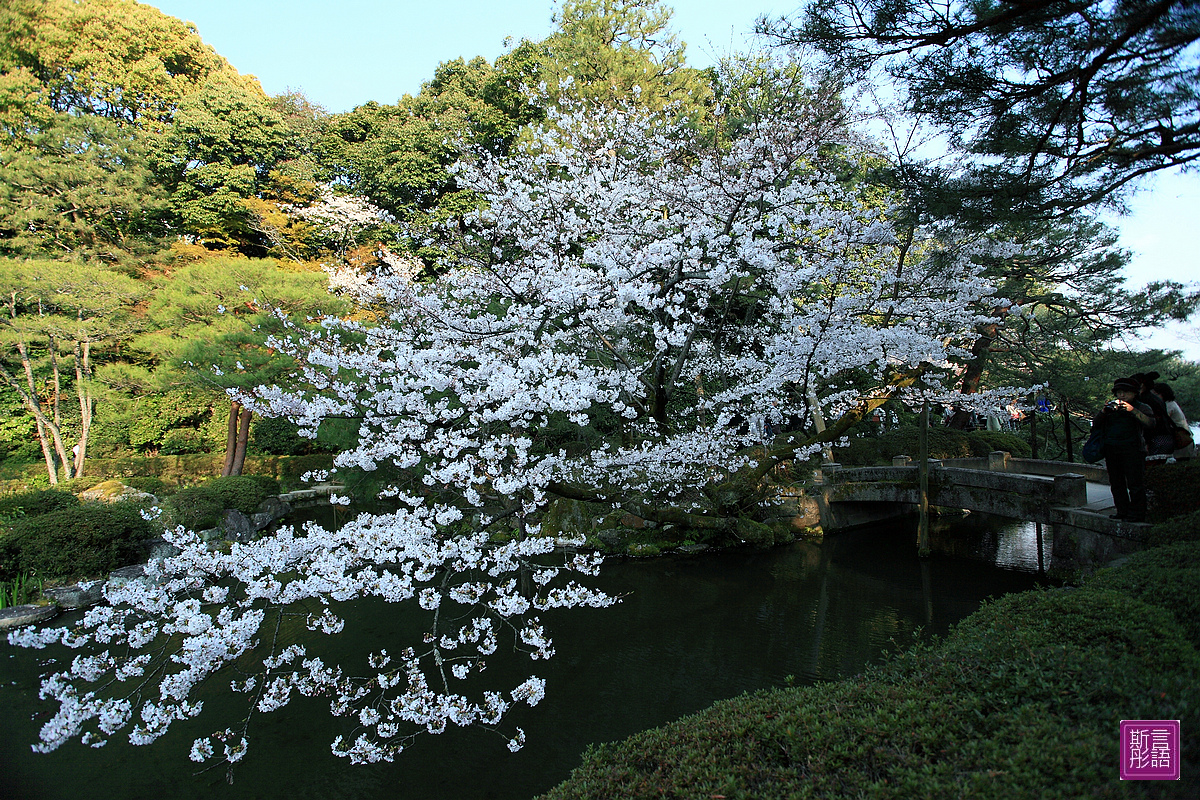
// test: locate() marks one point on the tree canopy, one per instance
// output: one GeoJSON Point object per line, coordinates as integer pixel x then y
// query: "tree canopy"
{"type": "Point", "coordinates": [1057, 105]}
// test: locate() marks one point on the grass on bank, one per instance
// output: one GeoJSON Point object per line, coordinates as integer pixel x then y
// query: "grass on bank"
{"type": "Point", "coordinates": [1022, 699]}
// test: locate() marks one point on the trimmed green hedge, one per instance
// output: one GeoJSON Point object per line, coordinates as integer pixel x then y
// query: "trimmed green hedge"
{"type": "Point", "coordinates": [83, 541]}
{"type": "Point", "coordinates": [1184, 528]}
{"type": "Point", "coordinates": [1022, 699]}
{"type": "Point", "coordinates": [1165, 576]}
{"type": "Point", "coordinates": [943, 443]}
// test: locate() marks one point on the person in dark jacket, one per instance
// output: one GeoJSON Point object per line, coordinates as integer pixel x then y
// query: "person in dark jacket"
{"type": "Point", "coordinates": [1125, 421]}
{"type": "Point", "coordinates": [1160, 440]}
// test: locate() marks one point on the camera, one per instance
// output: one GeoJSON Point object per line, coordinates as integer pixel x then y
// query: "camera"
{"type": "Point", "coordinates": [1112, 405]}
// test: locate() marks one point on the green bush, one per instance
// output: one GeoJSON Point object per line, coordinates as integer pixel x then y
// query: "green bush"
{"type": "Point", "coordinates": [1165, 576]}
{"type": "Point", "coordinates": [1023, 699]}
{"type": "Point", "coordinates": [31, 504]}
{"type": "Point", "coordinates": [146, 483]}
{"type": "Point", "coordinates": [82, 484]}
{"type": "Point", "coordinates": [182, 441]}
{"type": "Point", "coordinates": [869, 450]}
{"type": "Point", "coordinates": [1173, 488]}
{"type": "Point", "coordinates": [1184, 528]}
{"type": "Point", "coordinates": [277, 436]}
{"type": "Point", "coordinates": [195, 508]}
{"type": "Point", "coordinates": [943, 443]}
{"type": "Point", "coordinates": [243, 492]}
{"type": "Point", "coordinates": [86, 540]}
{"type": "Point", "coordinates": [293, 469]}
{"type": "Point", "coordinates": [984, 442]}
{"type": "Point", "coordinates": [200, 507]}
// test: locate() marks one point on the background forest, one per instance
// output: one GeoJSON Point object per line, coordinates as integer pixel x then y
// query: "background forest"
{"type": "Point", "coordinates": [159, 211]}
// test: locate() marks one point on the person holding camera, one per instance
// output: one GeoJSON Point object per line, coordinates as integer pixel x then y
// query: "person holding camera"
{"type": "Point", "coordinates": [1124, 422]}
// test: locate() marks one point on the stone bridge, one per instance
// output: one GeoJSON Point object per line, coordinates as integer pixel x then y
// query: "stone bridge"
{"type": "Point", "coordinates": [863, 495]}
{"type": "Point", "coordinates": [1048, 492]}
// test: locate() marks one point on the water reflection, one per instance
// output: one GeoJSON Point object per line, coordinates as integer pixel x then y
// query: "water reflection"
{"type": "Point", "coordinates": [1007, 543]}
{"type": "Point", "coordinates": [692, 630]}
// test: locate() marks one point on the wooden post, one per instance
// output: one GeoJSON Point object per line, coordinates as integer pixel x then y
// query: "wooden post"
{"type": "Point", "coordinates": [923, 478]}
{"type": "Point", "coordinates": [1067, 430]}
{"type": "Point", "coordinates": [1033, 432]}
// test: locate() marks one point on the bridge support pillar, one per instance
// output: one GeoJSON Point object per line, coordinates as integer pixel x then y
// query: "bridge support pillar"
{"type": "Point", "coordinates": [1070, 490]}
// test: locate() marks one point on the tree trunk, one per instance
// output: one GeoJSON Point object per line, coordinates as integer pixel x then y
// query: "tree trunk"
{"type": "Point", "coordinates": [47, 453]}
{"type": "Point", "coordinates": [49, 435]}
{"type": "Point", "coordinates": [243, 437]}
{"type": "Point", "coordinates": [973, 374]}
{"type": "Point", "coordinates": [87, 404]}
{"type": "Point", "coordinates": [231, 438]}
{"type": "Point", "coordinates": [1033, 442]}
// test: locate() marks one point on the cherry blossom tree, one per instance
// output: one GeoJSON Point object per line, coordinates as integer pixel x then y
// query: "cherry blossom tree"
{"type": "Point", "coordinates": [602, 330]}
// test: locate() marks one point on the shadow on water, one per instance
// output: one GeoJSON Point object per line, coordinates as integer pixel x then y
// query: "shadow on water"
{"type": "Point", "coordinates": [691, 630]}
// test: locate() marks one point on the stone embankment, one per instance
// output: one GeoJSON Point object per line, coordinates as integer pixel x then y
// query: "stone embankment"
{"type": "Point", "coordinates": [235, 527]}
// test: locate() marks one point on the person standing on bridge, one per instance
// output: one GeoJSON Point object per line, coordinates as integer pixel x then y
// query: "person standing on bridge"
{"type": "Point", "coordinates": [1125, 422]}
{"type": "Point", "coordinates": [1165, 393]}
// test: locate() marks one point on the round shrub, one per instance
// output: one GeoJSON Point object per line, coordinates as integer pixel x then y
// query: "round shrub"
{"type": "Point", "coordinates": [200, 507]}
{"type": "Point", "coordinates": [30, 504]}
{"type": "Point", "coordinates": [147, 483]}
{"type": "Point", "coordinates": [86, 540]}
{"type": "Point", "coordinates": [243, 492]}
{"type": "Point", "coordinates": [195, 508]}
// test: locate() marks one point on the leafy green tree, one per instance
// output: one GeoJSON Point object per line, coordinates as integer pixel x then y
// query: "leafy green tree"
{"type": "Point", "coordinates": [225, 140]}
{"type": "Point", "coordinates": [398, 156]}
{"type": "Point", "coordinates": [1065, 277]}
{"type": "Point", "coordinates": [610, 51]}
{"type": "Point", "coordinates": [79, 187]}
{"type": "Point", "coordinates": [1055, 105]}
{"type": "Point", "coordinates": [213, 320]}
{"type": "Point", "coordinates": [56, 317]}
{"type": "Point", "coordinates": [106, 100]}
{"type": "Point", "coordinates": [113, 58]}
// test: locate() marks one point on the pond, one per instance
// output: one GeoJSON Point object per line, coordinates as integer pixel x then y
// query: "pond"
{"type": "Point", "coordinates": [691, 630]}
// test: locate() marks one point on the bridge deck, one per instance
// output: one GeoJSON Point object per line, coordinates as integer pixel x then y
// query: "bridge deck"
{"type": "Point", "coordinates": [1052, 495]}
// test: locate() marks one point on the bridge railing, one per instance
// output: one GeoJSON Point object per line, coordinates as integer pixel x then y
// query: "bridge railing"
{"type": "Point", "coordinates": [1021, 496]}
{"type": "Point", "coordinates": [1001, 461]}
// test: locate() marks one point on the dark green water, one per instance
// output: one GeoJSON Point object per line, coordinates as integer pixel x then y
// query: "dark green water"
{"type": "Point", "coordinates": [692, 630]}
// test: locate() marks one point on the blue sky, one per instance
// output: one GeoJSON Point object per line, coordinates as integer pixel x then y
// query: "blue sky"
{"type": "Point", "coordinates": [342, 54]}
